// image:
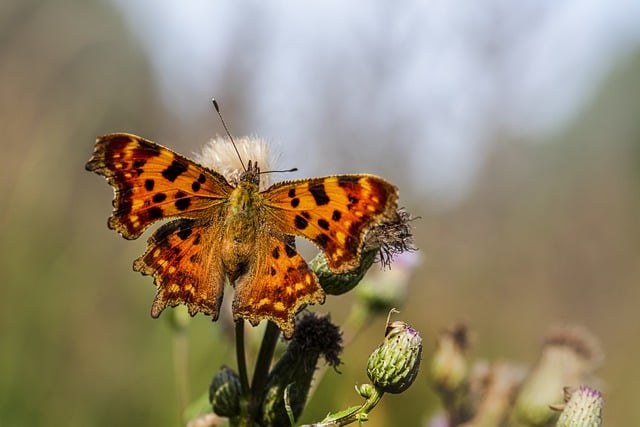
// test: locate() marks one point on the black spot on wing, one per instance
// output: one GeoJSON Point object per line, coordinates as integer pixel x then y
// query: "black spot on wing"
{"type": "Point", "coordinates": [322, 240]}
{"type": "Point", "coordinates": [149, 184]}
{"type": "Point", "coordinates": [319, 194]}
{"type": "Point", "coordinates": [300, 222]}
{"type": "Point", "coordinates": [137, 164]}
{"type": "Point", "coordinates": [174, 170]}
{"type": "Point", "coordinates": [182, 204]}
{"type": "Point", "coordinates": [184, 233]}
{"type": "Point", "coordinates": [159, 197]}
{"type": "Point", "coordinates": [154, 213]}
{"type": "Point", "coordinates": [291, 252]}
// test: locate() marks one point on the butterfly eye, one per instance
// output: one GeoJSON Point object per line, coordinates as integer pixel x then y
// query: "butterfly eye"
{"type": "Point", "coordinates": [252, 174]}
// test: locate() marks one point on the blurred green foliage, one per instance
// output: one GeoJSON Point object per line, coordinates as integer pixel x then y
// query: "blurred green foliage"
{"type": "Point", "coordinates": [551, 232]}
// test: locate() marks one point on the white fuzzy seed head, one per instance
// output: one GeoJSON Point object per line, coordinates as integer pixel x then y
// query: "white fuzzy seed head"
{"type": "Point", "coordinates": [218, 154]}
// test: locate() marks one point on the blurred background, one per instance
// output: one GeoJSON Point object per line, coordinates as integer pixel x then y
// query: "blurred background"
{"type": "Point", "coordinates": [511, 128]}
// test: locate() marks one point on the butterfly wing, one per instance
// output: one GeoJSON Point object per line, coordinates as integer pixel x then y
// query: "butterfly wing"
{"type": "Point", "coordinates": [152, 183]}
{"type": "Point", "coordinates": [334, 212]}
{"type": "Point", "coordinates": [182, 256]}
{"type": "Point", "coordinates": [277, 285]}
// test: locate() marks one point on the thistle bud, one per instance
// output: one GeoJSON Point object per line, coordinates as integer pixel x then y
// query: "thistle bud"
{"type": "Point", "coordinates": [583, 409]}
{"type": "Point", "coordinates": [569, 357]}
{"type": "Point", "coordinates": [449, 366]}
{"type": "Point", "coordinates": [365, 390]}
{"type": "Point", "coordinates": [394, 365]}
{"type": "Point", "coordinates": [314, 336]}
{"type": "Point", "coordinates": [450, 372]}
{"type": "Point", "coordinates": [224, 393]}
{"type": "Point", "coordinates": [337, 284]}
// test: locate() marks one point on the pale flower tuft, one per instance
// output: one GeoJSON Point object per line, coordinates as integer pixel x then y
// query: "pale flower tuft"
{"type": "Point", "coordinates": [218, 154]}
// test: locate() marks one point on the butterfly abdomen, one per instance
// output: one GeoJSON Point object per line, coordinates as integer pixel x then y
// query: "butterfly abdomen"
{"type": "Point", "coordinates": [240, 230]}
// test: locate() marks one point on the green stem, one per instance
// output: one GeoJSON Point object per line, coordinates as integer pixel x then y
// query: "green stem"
{"type": "Point", "coordinates": [362, 412]}
{"type": "Point", "coordinates": [241, 360]}
{"type": "Point", "coordinates": [263, 363]}
{"type": "Point", "coordinates": [181, 368]}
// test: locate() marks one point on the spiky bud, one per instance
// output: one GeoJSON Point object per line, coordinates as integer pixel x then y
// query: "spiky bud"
{"type": "Point", "coordinates": [583, 409]}
{"type": "Point", "coordinates": [224, 393]}
{"type": "Point", "coordinates": [394, 365]}
{"type": "Point", "coordinates": [365, 390]}
{"type": "Point", "coordinates": [314, 336]}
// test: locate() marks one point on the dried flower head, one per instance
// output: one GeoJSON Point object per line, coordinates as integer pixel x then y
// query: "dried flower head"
{"type": "Point", "coordinates": [382, 243]}
{"type": "Point", "coordinates": [314, 336]}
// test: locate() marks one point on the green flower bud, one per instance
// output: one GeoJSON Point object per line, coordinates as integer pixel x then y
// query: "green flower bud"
{"type": "Point", "coordinates": [365, 390]}
{"type": "Point", "coordinates": [584, 409]}
{"type": "Point", "coordinates": [314, 336]}
{"type": "Point", "coordinates": [394, 365]}
{"type": "Point", "coordinates": [224, 393]}
{"type": "Point", "coordinates": [337, 284]}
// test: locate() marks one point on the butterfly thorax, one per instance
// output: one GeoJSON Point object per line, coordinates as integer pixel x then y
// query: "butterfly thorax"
{"type": "Point", "coordinates": [241, 224]}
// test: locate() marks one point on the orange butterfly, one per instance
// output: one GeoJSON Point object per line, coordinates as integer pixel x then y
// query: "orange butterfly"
{"type": "Point", "coordinates": [220, 231]}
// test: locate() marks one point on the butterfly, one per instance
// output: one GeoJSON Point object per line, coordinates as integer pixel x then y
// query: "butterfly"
{"type": "Point", "coordinates": [219, 232]}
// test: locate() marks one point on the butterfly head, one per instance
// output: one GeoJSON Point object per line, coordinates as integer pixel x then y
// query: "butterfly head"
{"type": "Point", "coordinates": [252, 174]}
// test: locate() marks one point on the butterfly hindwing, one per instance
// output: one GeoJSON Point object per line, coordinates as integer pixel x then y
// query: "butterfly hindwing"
{"type": "Point", "coordinates": [334, 212]}
{"type": "Point", "coordinates": [277, 285]}
{"type": "Point", "coordinates": [182, 258]}
{"type": "Point", "coordinates": [153, 183]}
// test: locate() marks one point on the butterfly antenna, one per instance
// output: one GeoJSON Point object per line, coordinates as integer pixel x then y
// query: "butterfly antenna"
{"type": "Point", "coordinates": [280, 171]}
{"type": "Point", "coordinates": [224, 125]}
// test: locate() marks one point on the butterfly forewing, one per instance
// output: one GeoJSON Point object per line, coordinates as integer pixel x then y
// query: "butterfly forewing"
{"type": "Point", "coordinates": [334, 212]}
{"type": "Point", "coordinates": [153, 183]}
